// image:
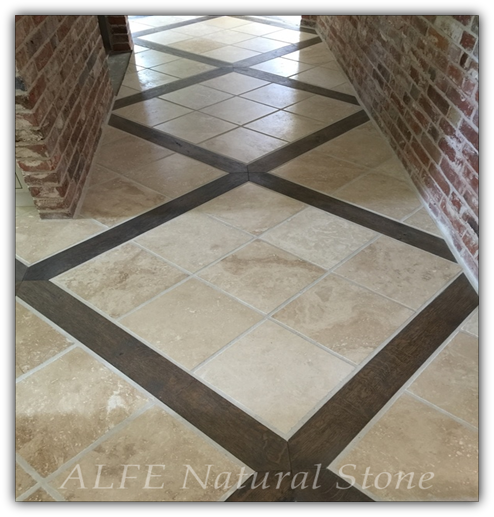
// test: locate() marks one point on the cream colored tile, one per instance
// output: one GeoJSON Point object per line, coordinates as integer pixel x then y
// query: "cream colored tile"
{"type": "Point", "coordinates": [451, 381]}
{"type": "Point", "coordinates": [415, 438]}
{"type": "Point", "coordinates": [243, 144]}
{"type": "Point", "coordinates": [193, 240]}
{"type": "Point", "coordinates": [290, 36]}
{"type": "Point", "coordinates": [146, 79]}
{"type": "Point", "coordinates": [252, 208]}
{"type": "Point", "coordinates": [151, 58]}
{"type": "Point", "coordinates": [260, 44]}
{"type": "Point", "coordinates": [197, 46]}
{"type": "Point", "coordinates": [283, 67]}
{"type": "Point", "coordinates": [198, 30]}
{"type": "Point", "coordinates": [199, 321]}
{"type": "Point", "coordinates": [227, 22]}
{"type": "Point", "coordinates": [230, 37]}
{"type": "Point", "coordinates": [319, 237]}
{"type": "Point", "coordinates": [100, 174]}
{"type": "Point", "coordinates": [313, 55]}
{"type": "Point", "coordinates": [35, 340]}
{"type": "Point", "coordinates": [40, 496]}
{"type": "Point", "coordinates": [382, 194]}
{"type": "Point", "coordinates": [153, 438]}
{"type": "Point", "coordinates": [166, 37]}
{"type": "Point", "coordinates": [164, 21]}
{"type": "Point", "coordinates": [344, 317]}
{"type": "Point", "coordinates": [115, 201]}
{"type": "Point", "coordinates": [196, 97]}
{"type": "Point", "coordinates": [23, 481]}
{"type": "Point", "coordinates": [36, 239]}
{"type": "Point", "coordinates": [319, 171]}
{"type": "Point", "coordinates": [238, 110]}
{"type": "Point", "coordinates": [362, 145]}
{"type": "Point", "coordinates": [257, 29]}
{"type": "Point", "coordinates": [394, 168]}
{"type": "Point", "coordinates": [324, 109]}
{"type": "Point", "coordinates": [125, 91]}
{"type": "Point", "coordinates": [196, 127]}
{"type": "Point", "coordinates": [472, 323]}
{"type": "Point", "coordinates": [322, 76]}
{"type": "Point", "coordinates": [121, 279]}
{"type": "Point", "coordinates": [275, 374]}
{"type": "Point", "coordinates": [277, 95]}
{"type": "Point", "coordinates": [184, 67]}
{"type": "Point", "coordinates": [345, 88]}
{"type": "Point", "coordinates": [111, 134]}
{"type": "Point", "coordinates": [152, 112]}
{"type": "Point", "coordinates": [230, 54]}
{"type": "Point", "coordinates": [262, 275]}
{"type": "Point", "coordinates": [235, 83]}
{"type": "Point", "coordinates": [176, 175]}
{"type": "Point", "coordinates": [129, 153]}
{"type": "Point", "coordinates": [423, 221]}
{"type": "Point", "coordinates": [62, 408]}
{"type": "Point", "coordinates": [400, 271]}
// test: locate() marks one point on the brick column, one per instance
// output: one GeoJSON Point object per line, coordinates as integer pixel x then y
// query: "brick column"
{"type": "Point", "coordinates": [120, 35]}
{"type": "Point", "coordinates": [308, 20]}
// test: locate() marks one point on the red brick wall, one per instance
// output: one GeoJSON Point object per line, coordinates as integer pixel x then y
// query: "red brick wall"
{"type": "Point", "coordinates": [308, 20]}
{"type": "Point", "coordinates": [63, 96]}
{"type": "Point", "coordinates": [120, 35]}
{"type": "Point", "coordinates": [418, 77]}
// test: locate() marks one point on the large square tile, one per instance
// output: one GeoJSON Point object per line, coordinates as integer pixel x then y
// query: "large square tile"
{"type": "Point", "coordinates": [413, 437]}
{"type": "Point", "coordinates": [238, 110]}
{"type": "Point", "coordinates": [283, 67]}
{"type": "Point", "coordinates": [323, 239]}
{"type": "Point", "coordinates": [230, 54]}
{"type": "Point", "coordinates": [257, 29]}
{"type": "Point", "coordinates": [23, 481]}
{"type": "Point", "coordinates": [471, 325]}
{"type": "Point", "coordinates": [193, 240]}
{"type": "Point", "coordinates": [324, 109]}
{"type": "Point", "coordinates": [64, 407]}
{"type": "Point", "coordinates": [183, 68]}
{"type": "Point", "coordinates": [120, 279]}
{"type": "Point", "coordinates": [423, 221]}
{"type": "Point", "coordinates": [451, 381]}
{"type": "Point", "coordinates": [344, 317]}
{"type": "Point", "coordinates": [196, 97]}
{"type": "Point", "coordinates": [321, 76]}
{"type": "Point", "coordinates": [291, 36]}
{"type": "Point", "coordinates": [150, 58]}
{"type": "Point", "coordinates": [198, 30]}
{"type": "Point", "coordinates": [191, 322]}
{"type": "Point", "coordinates": [235, 83]}
{"type": "Point", "coordinates": [166, 37]}
{"type": "Point", "coordinates": [313, 55]}
{"type": "Point", "coordinates": [275, 374]}
{"type": "Point", "coordinates": [152, 112]}
{"type": "Point", "coordinates": [252, 208]}
{"type": "Point", "coordinates": [400, 271]}
{"type": "Point", "coordinates": [146, 79]}
{"type": "Point", "coordinates": [227, 22]}
{"type": "Point", "coordinates": [277, 95]}
{"type": "Point", "coordinates": [229, 37]}
{"type": "Point", "coordinates": [197, 45]}
{"type": "Point", "coordinates": [259, 44]}
{"type": "Point", "coordinates": [262, 275]}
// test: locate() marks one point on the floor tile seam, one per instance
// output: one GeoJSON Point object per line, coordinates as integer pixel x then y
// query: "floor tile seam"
{"type": "Point", "coordinates": [176, 25]}
{"type": "Point", "coordinates": [29, 469]}
{"type": "Point", "coordinates": [30, 491]}
{"type": "Point", "coordinates": [470, 333]}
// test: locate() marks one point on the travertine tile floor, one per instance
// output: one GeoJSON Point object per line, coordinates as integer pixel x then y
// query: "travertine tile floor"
{"type": "Point", "coordinates": [270, 302]}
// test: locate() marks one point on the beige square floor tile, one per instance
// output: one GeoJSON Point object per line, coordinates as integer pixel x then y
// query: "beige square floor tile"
{"type": "Point", "coordinates": [196, 97]}
{"type": "Point", "coordinates": [252, 208]}
{"type": "Point", "coordinates": [153, 438]}
{"type": "Point", "coordinates": [146, 79]}
{"type": "Point", "coordinates": [400, 271]}
{"type": "Point", "coordinates": [394, 168]}
{"type": "Point", "coordinates": [64, 407]}
{"type": "Point", "coordinates": [36, 239]}
{"type": "Point", "coordinates": [262, 275]}
{"type": "Point", "coordinates": [35, 340]}
{"type": "Point", "coordinates": [243, 144]}
{"type": "Point", "coordinates": [227, 22]}
{"type": "Point", "coordinates": [164, 21]}
{"type": "Point", "coordinates": [151, 58]}
{"type": "Point", "coordinates": [193, 240]}
{"type": "Point", "coordinates": [125, 91]}
{"type": "Point", "coordinates": [382, 194]}
{"type": "Point", "coordinates": [313, 55]}
{"type": "Point", "coordinates": [166, 37]}
{"type": "Point", "coordinates": [362, 145]}
{"type": "Point", "coordinates": [238, 110]}
{"type": "Point", "coordinates": [257, 29]}
{"type": "Point", "coordinates": [277, 95]}
{"type": "Point", "coordinates": [129, 153]}
{"type": "Point", "coordinates": [230, 37]}
{"type": "Point", "coordinates": [324, 109]}
{"type": "Point", "coordinates": [175, 175]}
{"type": "Point", "coordinates": [121, 279]}
{"type": "Point", "coordinates": [451, 381]}
{"type": "Point", "coordinates": [319, 171]}
{"type": "Point", "coordinates": [135, 26]}
{"type": "Point", "coordinates": [115, 201]}
{"type": "Point", "coordinates": [344, 317]}
{"type": "Point", "coordinates": [183, 67]}
{"type": "Point", "coordinates": [197, 46]}
{"type": "Point", "coordinates": [283, 67]}
{"type": "Point", "coordinates": [286, 126]}
{"type": "Point", "coordinates": [275, 374]}
{"type": "Point", "coordinates": [138, 49]}
{"type": "Point", "coordinates": [152, 112]}
{"type": "Point", "coordinates": [23, 481]}
{"type": "Point", "coordinates": [111, 134]}
{"type": "Point", "coordinates": [472, 323]}
{"type": "Point", "coordinates": [413, 437]}
{"type": "Point", "coordinates": [100, 174]}
{"type": "Point", "coordinates": [191, 322]}
{"type": "Point", "coordinates": [290, 36]}
{"type": "Point", "coordinates": [40, 496]}
{"type": "Point", "coordinates": [260, 44]}
{"type": "Point", "coordinates": [423, 221]}
{"type": "Point", "coordinates": [322, 76]}
{"type": "Point", "coordinates": [345, 87]}
{"type": "Point", "coordinates": [198, 30]}
{"type": "Point", "coordinates": [235, 83]}
{"type": "Point", "coordinates": [196, 127]}
{"type": "Point", "coordinates": [230, 54]}
{"type": "Point", "coordinates": [323, 239]}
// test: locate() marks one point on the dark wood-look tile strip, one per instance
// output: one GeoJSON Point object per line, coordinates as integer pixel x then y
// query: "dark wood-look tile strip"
{"type": "Point", "coordinates": [86, 250]}
{"type": "Point", "coordinates": [20, 270]}
{"type": "Point", "coordinates": [275, 23]}
{"type": "Point", "coordinates": [299, 85]}
{"type": "Point", "coordinates": [178, 145]}
{"type": "Point", "coordinates": [177, 25]}
{"type": "Point", "coordinates": [170, 87]}
{"type": "Point", "coordinates": [277, 488]}
{"type": "Point", "coordinates": [334, 426]}
{"type": "Point", "coordinates": [289, 152]}
{"type": "Point", "coordinates": [355, 214]}
{"type": "Point", "coordinates": [226, 424]}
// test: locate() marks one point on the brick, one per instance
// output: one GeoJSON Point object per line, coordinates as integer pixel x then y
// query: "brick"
{"type": "Point", "coordinates": [470, 133]}
{"type": "Point", "coordinates": [468, 41]}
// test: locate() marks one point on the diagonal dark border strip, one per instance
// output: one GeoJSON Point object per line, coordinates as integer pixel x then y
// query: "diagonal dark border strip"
{"type": "Point", "coordinates": [299, 85]}
{"type": "Point", "coordinates": [88, 249]}
{"type": "Point", "coordinates": [379, 223]}
{"type": "Point", "coordinates": [277, 488]}
{"type": "Point", "coordinates": [153, 30]}
{"type": "Point", "coordinates": [236, 431]}
{"type": "Point", "coordinates": [178, 145]}
{"type": "Point", "coordinates": [289, 152]}
{"type": "Point", "coordinates": [322, 438]}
